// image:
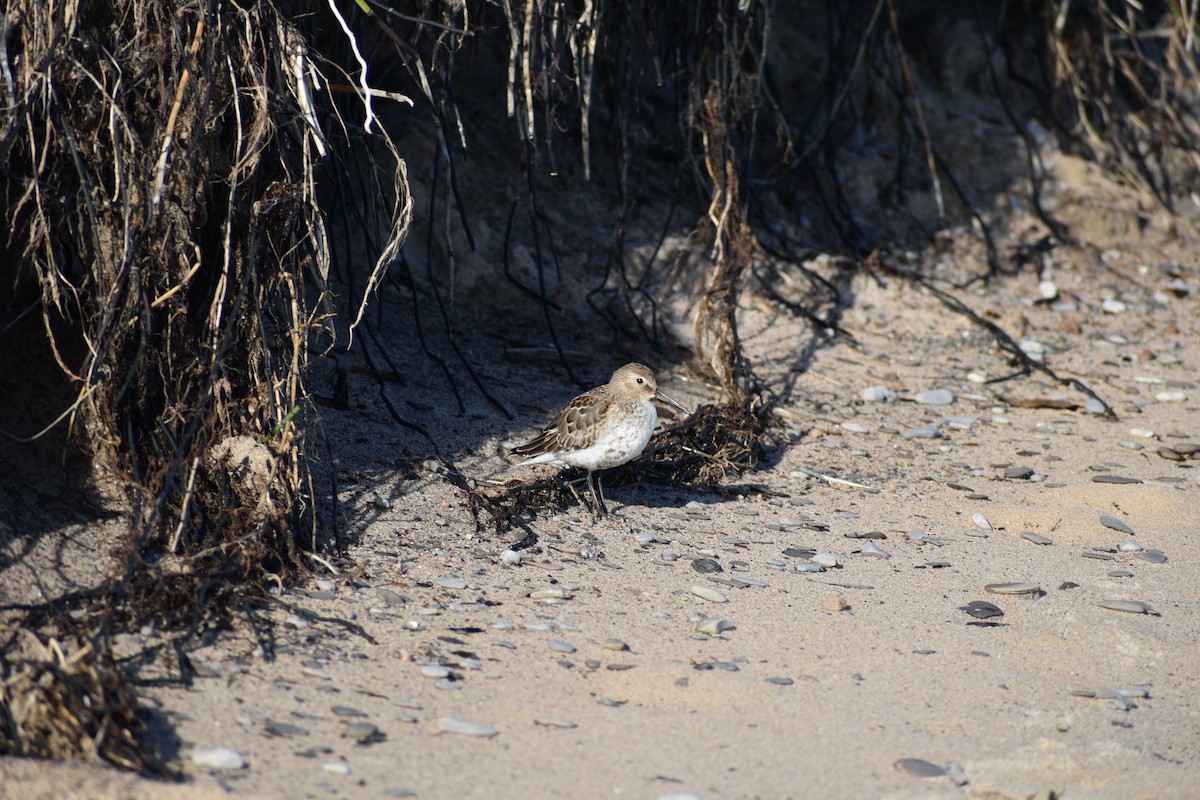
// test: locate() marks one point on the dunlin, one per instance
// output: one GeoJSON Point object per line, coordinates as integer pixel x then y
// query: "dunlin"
{"type": "Point", "coordinates": [601, 428]}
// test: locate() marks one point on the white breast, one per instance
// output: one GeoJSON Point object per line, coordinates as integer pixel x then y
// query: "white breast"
{"type": "Point", "coordinates": [622, 438]}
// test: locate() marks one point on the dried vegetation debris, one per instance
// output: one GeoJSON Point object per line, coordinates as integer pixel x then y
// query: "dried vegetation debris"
{"type": "Point", "coordinates": [66, 698]}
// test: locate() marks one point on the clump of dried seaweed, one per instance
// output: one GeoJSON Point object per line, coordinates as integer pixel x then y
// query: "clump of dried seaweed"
{"type": "Point", "coordinates": [68, 699]}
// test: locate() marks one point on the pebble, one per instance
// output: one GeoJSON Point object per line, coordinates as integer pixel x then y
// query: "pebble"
{"type": "Point", "coordinates": [1094, 406]}
{"type": "Point", "coordinates": [920, 768]}
{"type": "Point", "coordinates": [714, 626]}
{"type": "Point", "coordinates": [826, 560]}
{"type": "Point", "coordinates": [559, 646]}
{"type": "Point", "coordinates": [465, 728]}
{"type": "Point", "coordinates": [336, 767]}
{"type": "Point", "coordinates": [1098, 556]}
{"type": "Point", "coordinates": [390, 597]}
{"type": "Point", "coordinates": [435, 672]}
{"type": "Point", "coordinates": [347, 711]}
{"type": "Point", "coordinates": [921, 433]}
{"type": "Point", "coordinates": [1047, 290]}
{"type": "Point", "coordinates": [644, 537]}
{"type": "Point", "coordinates": [1036, 538]}
{"type": "Point", "coordinates": [614, 644]}
{"type": "Point", "coordinates": [706, 566]}
{"type": "Point", "coordinates": [218, 758]}
{"type": "Point", "coordinates": [781, 681]}
{"type": "Point", "coordinates": [877, 394]}
{"type": "Point", "coordinates": [298, 623]}
{"type": "Point", "coordinates": [550, 593]}
{"type": "Point", "coordinates": [1152, 556]}
{"type": "Point", "coordinates": [835, 604]}
{"type": "Point", "coordinates": [874, 550]}
{"type": "Point", "coordinates": [981, 521]}
{"type": "Point", "coordinates": [1111, 306]}
{"type": "Point", "coordinates": [982, 609]}
{"type": "Point", "coordinates": [510, 557]}
{"type": "Point", "coordinates": [450, 582]}
{"type": "Point", "coordinates": [855, 427]}
{"type": "Point", "coordinates": [326, 586]}
{"type": "Point", "coordinates": [1171, 454]}
{"type": "Point", "coordinates": [361, 732]}
{"type": "Point", "coordinates": [1142, 433]}
{"type": "Point", "coordinates": [1129, 444]}
{"type": "Point", "coordinates": [1117, 479]}
{"type": "Point", "coordinates": [1129, 547]}
{"type": "Point", "coordinates": [808, 566]}
{"type": "Point", "coordinates": [1115, 524]}
{"type": "Point", "coordinates": [935, 397]}
{"type": "Point", "coordinates": [1018, 473]}
{"type": "Point", "coordinates": [710, 594]}
{"type": "Point", "coordinates": [1013, 588]}
{"type": "Point", "coordinates": [1170, 397]}
{"type": "Point", "coordinates": [1128, 606]}
{"type": "Point", "coordinates": [555, 722]}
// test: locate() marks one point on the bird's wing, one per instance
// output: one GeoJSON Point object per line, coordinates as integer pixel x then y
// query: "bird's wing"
{"type": "Point", "coordinates": [575, 427]}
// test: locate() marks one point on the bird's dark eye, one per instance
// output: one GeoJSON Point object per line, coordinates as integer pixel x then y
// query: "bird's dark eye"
{"type": "Point", "coordinates": [641, 380]}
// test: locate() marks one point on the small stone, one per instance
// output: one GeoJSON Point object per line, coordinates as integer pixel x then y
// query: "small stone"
{"type": "Point", "coordinates": [1128, 606]}
{"type": "Point", "coordinates": [826, 560]}
{"type": "Point", "coordinates": [877, 394]}
{"type": "Point", "coordinates": [1111, 306]}
{"type": "Point", "coordinates": [1142, 433]}
{"type": "Point", "coordinates": [781, 681]}
{"type": "Point", "coordinates": [706, 566]}
{"type": "Point", "coordinates": [614, 644]}
{"type": "Point", "coordinates": [450, 582]}
{"type": "Point", "coordinates": [326, 586]}
{"type": "Point", "coordinates": [465, 728]}
{"type": "Point", "coordinates": [361, 732]}
{"type": "Point", "coordinates": [710, 594]}
{"type": "Point", "coordinates": [1094, 406]}
{"type": "Point", "coordinates": [435, 672]}
{"type": "Point", "coordinates": [644, 537]}
{"type": "Point", "coordinates": [1151, 556]}
{"type": "Point", "coordinates": [510, 557]}
{"type": "Point", "coordinates": [874, 550]}
{"type": "Point", "coordinates": [714, 626]}
{"type": "Point", "coordinates": [1036, 538]}
{"type": "Point", "coordinates": [982, 609]}
{"type": "Point", "coordinates": [920, 768]}
{"type": "Point", "coordinates": [336, 767]}
{"type": "Point", "coordinates": [921, 433]}
{"type": "Point", "coordinates": [807, 566]}
{"type": "Point", "coordinates": [935, 397]}
{"type": "Point", "coordinates": [559, 646]}
{"type": "Point", "coordinates": [981, 521]}
{"type": "Point", "coordinates": [1115, 479]}
{"type": "Point", "coordinates": [390, 597]}
{"type": "Point", "coordinates": [1047, 290]}
{"type": "Point", "coordinates": [835, 604]}
{"type": "Point", "coordinates": [1170, 397]}
{"type": "Point", "coordinates": [1013, 588]}
{"type": "Point", "coordinates": [1171, 454]}
{"type": "Point", "coordinates": [218, 758]}
{"type": "Point", "coordinates": [1018, 473]}
{"type": "Point", "coordinates": [555, 722]}
{"type": "Point", "coordinates": [550, 593]}
{"type": "Point", "coordinates": [1115, 524]}
{"type": "Point", "coordinates": [1098, 556]}
{"type": "Point", "coordinates": [855, 427]}
{"type": "Point", "coordinates": [347, 711]}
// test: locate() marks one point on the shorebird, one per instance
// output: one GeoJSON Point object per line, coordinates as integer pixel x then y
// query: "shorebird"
{"type": "Point", "coordinates": [601, 428]}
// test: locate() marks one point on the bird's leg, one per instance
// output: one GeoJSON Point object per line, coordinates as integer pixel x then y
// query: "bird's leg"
{"type": "Point", "coordinates": [598, 496]}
